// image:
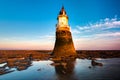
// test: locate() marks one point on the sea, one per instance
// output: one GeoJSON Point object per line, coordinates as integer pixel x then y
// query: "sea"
{"type": "Point", "coordinates": [78, 69]}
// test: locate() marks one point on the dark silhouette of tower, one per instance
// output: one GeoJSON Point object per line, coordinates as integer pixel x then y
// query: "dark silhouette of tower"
{"type": "Point", "coordinates": [64, 44]}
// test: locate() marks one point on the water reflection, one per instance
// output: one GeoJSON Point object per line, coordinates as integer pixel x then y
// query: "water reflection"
{"type": "Point", "coordinates": [68, 69]}
{"type": "Point", "coordinates": [65, 69]}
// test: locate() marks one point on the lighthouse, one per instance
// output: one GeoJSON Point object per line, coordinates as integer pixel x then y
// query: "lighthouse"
{"type": "Point", "coordinates": [64, 44]}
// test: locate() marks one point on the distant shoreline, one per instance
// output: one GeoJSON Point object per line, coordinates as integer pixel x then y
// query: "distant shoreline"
{"type": "Point", "coordinates": [99, 53]}
{"type": "Point", "coordinates": [43, 54]}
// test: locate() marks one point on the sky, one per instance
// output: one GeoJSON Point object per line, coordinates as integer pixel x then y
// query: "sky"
{"type": "Point", "coordinates": [30, 24]}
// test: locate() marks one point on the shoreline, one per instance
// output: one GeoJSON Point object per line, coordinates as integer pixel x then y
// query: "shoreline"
{"type": "Point", "coordinates": [45, 54]}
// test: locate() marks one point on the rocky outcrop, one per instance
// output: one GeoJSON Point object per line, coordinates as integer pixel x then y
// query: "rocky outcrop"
{"type": "Point", "coordinates": [63, 44]}
{"type": "Point", "coordinates": [93, 63]}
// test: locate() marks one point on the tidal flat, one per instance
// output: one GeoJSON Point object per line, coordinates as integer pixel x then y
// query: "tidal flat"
{"type": "Point", "coordinates": [38, 65]}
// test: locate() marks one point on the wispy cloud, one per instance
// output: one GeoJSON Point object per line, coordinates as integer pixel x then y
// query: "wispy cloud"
{"type": "Point", "coordinates": [103, 24]}
{"type": "Point", "coordinates": [97, 44]}
{"type": "Point", "coordinates": [104, 34]}
{"type": "Point", "coordinates": [75, 31]}
{"type": "Point", "coordinates": [110, 34]}
{"type": "Point", "coordinates": [34, 42]}
{"type": "Point", "coordinates": [48, 37]}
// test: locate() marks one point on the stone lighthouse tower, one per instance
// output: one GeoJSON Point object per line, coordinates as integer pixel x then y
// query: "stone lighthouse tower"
{"type": "Point", "coordinates": [64, 44]}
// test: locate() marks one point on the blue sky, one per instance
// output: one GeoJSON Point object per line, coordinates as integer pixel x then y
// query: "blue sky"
{"type": "Point", "coordinates": [30, 24]}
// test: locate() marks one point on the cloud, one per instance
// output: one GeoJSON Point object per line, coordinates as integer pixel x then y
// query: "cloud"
{"type": "Point", "coordinates": [111, 34]}
{"type": "Point", "coordinates": [75, 31]}
{"type": "Point", "coordinates": [34, 42]}
{"type": "Point", "coordinates": [48, 37]}
{"type": "Point", "coordinates": [103, 24]}
{"type": "Point", "coordinates": [104, 34]}
{"type": "Point", "coordinates": [97, 44]}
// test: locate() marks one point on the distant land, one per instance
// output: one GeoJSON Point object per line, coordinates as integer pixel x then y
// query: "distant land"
{"type": "Point", "coordinates": [45, 54]}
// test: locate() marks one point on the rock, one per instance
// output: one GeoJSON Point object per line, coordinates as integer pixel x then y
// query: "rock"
{"type": "Point", "coordinates": [55, 64]}
{"type": "Point", "coordinates": [89, 67]}
{"type": "Point", "coordinates": [5, 71]}
{"type": "Point", "coordinates": [96, 63]}
{"type": "Point", "coordinates": [39, 69]}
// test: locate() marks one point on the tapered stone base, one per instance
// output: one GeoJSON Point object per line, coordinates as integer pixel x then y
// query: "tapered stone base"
{"type": "Point", "coordinates": [63, 44]}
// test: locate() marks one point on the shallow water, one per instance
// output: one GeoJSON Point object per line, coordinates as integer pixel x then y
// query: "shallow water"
{"type": "Point", "coordinates": [80, 69]}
